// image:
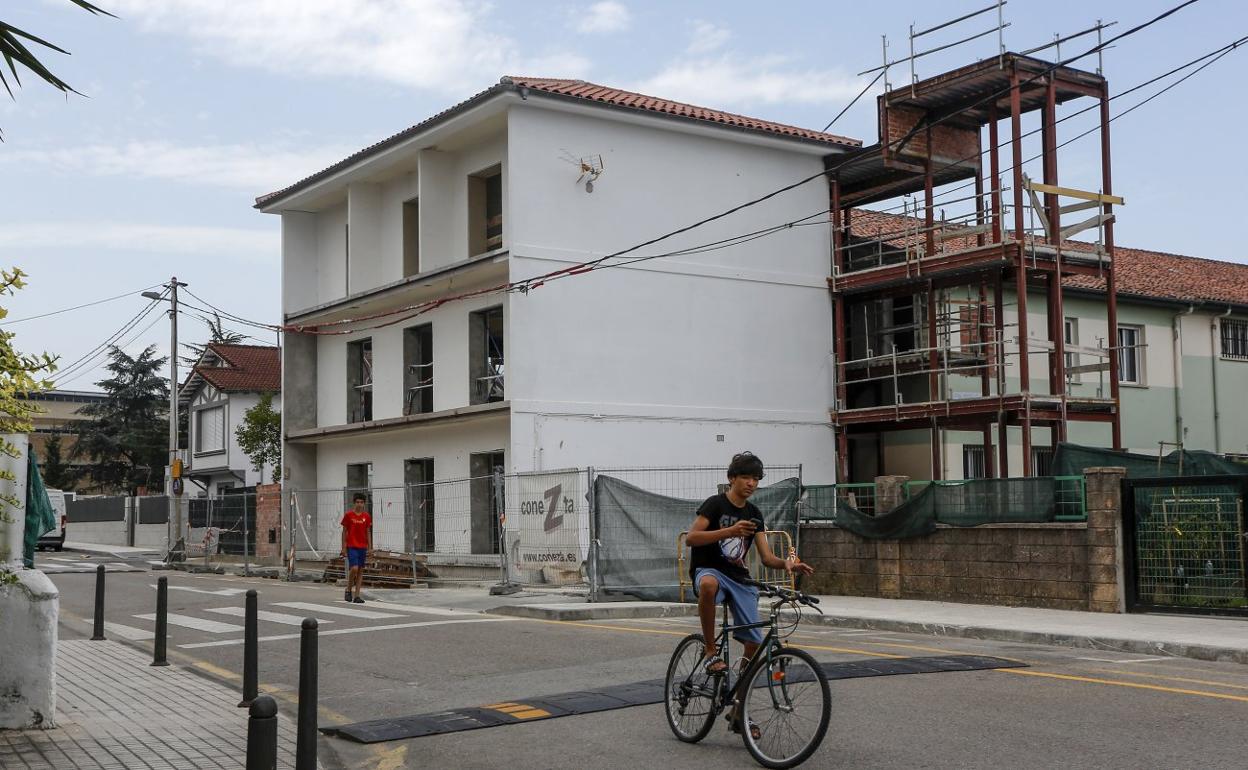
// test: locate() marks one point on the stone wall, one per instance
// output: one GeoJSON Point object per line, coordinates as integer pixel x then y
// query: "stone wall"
{"type": "Point", "coordinates": [1071, 566]}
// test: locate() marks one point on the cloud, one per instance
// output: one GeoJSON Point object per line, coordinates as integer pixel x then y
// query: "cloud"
{"type": "Point", "coordinates": [708, 37]}
{"type": "Point", "coordinates": [252, 168]}
{"type": "Point", "coordinates": [445, 46]}
{"type": "Point", "coordinates": [732, 80]}
{"type": "Point", "coordinates": [602, 17]}
{"type": "Point", "coordinates": [230, 243]}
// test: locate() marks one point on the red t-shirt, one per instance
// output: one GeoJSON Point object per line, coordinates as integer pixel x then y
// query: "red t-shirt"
{"type": "Point", "coordinates": [356, 526]}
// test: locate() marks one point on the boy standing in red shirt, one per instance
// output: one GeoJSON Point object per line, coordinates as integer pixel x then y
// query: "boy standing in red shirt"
{"type": "Point", "coordinates": [357, 542]}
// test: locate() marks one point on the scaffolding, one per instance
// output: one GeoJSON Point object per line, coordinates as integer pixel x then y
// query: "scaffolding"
{"type": "Point", "coordinates": [921, 337]}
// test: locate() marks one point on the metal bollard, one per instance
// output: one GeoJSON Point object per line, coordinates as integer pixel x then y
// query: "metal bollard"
{"type": "Point", "coordinates": [162, 622]}
{"type": "Point", "coordinates": [262, 734]}
{"type": "Point", "coordinates": [251, 642]}
{"type": "Point", "coordinates": [305, 735]}
{"type": "Point", "coordinates": [98, 635]}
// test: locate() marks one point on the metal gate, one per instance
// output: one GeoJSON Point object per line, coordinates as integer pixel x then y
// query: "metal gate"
{"type": "Point", "coordinates": [1184, 540]}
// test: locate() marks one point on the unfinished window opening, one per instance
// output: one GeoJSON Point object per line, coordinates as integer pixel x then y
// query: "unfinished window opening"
{"type": "Point", "coordinates": [1042, 461]}
{"type": "Point", "coordinates": [1072, 359]}
{"type": "Point", "coordinates": [485, 349]}
{"type": "Point", "coordinates": [487, 499]}
{"type": "Point", "coordinates": [974, 462]}
{"type": "Point", "coordinates": [359, 479]}
{"type": "Point", "coordinates": [360, 380]}
{"type": "Point", "coordinates": [419, 528]}
{"type": "Point", "coordinates": [411, 237]}
{"type": "Point", "coordinates": [485, 211]}
{"type": "Point", "coordinates": [418, 369]}
{"type": "Point", "coordinates": [1235, 339]}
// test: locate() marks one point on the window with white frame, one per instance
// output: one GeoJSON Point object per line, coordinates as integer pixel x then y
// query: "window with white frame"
{"type": "Point", "coordinates": [1235, 339]}
{"type": "Point", "coordinates": [210, 430]}
{"type": "Point", "coordinates": [1131, 355]}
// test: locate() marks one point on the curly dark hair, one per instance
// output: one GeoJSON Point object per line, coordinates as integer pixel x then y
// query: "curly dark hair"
{"type": "Point", "coordinates": [745, 464]}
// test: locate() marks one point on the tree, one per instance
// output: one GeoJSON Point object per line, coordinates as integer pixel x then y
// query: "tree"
{"type": "Point", "coordinates": [260, 436]}
{"type": "Point", "coordinates": [127, 440]}
{"type": "Point", "coordinates": [15, 52]}
{"type": "Point", "coordinates": [20, 374]}
{"type": "Point", "coordinates": [217, 335]}
{"type": "Point", "coordinates": [57, 473]}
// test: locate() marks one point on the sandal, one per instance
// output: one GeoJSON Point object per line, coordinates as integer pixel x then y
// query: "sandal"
{"type": "Point", "coordinates": [715, 666]}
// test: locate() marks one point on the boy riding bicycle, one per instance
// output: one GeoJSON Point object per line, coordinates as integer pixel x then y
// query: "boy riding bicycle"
{"type": "Point", "coordinates": [725, 527]}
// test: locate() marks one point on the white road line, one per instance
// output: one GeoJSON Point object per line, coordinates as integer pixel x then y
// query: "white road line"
{"type": "Point", "coordinates": [356, 630]}
{"type": "Point", "coordinates": [1130, 660]}
{"type": "Point", "coordinates": [219, 592]}
{"type": "Point", "coordinates": [62, 558]}
{"type": "Point", "coordinates": [199, 624]}
{"type": "Point", "coordinates": [330, 609]}
{"type": "Point", "coordinates": [125, 632]}
{"type": "Point", "coordinates": [421, 609]}
{"type": "Point", "coordinates": [272, 617]}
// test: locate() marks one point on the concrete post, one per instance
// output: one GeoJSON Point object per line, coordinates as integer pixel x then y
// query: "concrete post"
{"type": "Point", "coordinates": [890, 492]}
{"type": "Point", "coordinates": [29, 607]}
{"type": "Point", "coordinates": [1107, 591]}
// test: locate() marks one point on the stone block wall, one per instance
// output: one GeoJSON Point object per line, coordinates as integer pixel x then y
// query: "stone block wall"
{"type": "Point", "coordinates": [1070, 566]}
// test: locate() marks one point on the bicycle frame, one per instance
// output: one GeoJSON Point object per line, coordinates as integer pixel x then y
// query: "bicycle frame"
{"type": "Point", "coordinates": [763, 655]}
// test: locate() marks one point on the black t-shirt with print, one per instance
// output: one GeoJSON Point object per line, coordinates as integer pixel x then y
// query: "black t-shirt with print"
{"type": "Point", "coordinates": [728, 555]}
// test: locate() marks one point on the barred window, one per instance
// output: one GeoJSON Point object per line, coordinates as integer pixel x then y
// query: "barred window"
{"type": "Point", "coordinates": [974, 462]}
{"type": "Point", "coordinates": [1235, 339]}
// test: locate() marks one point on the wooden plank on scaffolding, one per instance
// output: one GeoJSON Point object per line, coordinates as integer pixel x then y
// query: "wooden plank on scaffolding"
{"type": "Point", "coordinates": [1071, 192]}
{"type": "Point", "coordinates": [1087, 224]}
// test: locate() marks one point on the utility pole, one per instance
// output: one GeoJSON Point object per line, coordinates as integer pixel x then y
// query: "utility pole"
{"type": "Point", "coordinates": [177, 542]}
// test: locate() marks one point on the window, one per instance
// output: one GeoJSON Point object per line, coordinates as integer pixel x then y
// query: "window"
{"type": "Point", "coordinates": [210, 430]}
{"type": "Point", "coordinates": [974, 462]}
{"type": "Point", "coordinates": [1131, 355]}
{"type": "Point", "coordinates": [360, 380]}
{"type": "Point", "coordinates": [421, 532]}
{"type": "Point", "coordinates": [418, 369]}
{"type": "Point", "coordinates": [485, 351]}
{"type": "Point", "coordinates": [485, 211]}
{"type": "Point", "coordinates": [1072, 359]}
{"type": "Point", "coordinates": [1235, 339]}
{"type": "Point", "coordinates": [1042, 461]}
{"type": "Point", "coordinates": [487, 495]}
{"type": "Point", "coordinates": [360, 479]}
{"type": "Point", "coordinates": [411, 237]}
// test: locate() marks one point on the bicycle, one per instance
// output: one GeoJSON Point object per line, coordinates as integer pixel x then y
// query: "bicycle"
{"type": "Point", "coordinates": [783, 692]}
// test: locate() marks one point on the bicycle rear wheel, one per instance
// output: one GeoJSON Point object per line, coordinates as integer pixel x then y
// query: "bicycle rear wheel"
{"type": "Point", "coordinates": [689, 693]}
{"type": "Point", "coordinates": [789, 700]}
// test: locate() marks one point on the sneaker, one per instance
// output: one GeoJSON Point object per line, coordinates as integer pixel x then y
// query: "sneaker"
{"type": "Point", "coordinates": [347, 596]}
{"type": "Point", "coordinates": [358, 600]}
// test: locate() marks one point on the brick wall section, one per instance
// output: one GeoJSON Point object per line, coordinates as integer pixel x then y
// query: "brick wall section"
{"type": "Point", "coordinates": [1070, 566]}
{"type": "Point", "coordinates": [268, 521]}
{"type": "Point", "coordinates": [949, 143]}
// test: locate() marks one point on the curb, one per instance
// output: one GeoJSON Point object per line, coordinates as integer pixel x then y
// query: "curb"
{"type": "Point", "coordinates": [607, 611]}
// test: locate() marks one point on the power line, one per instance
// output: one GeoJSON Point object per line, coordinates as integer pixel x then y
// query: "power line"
{"type": "Point", "coordinates": [232, 316]}
{"type": "Point", "coordinates": [82, 372]}
{"type": "Point", "coordinates": [93, 354]}
{"type": "Point", "coordinates": [852, 102]}
{"type": "Point", "coordinates": [77, 307]}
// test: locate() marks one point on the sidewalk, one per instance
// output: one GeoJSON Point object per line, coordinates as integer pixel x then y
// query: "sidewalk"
{"type": "Point", "coordinates": [114, 710]}
{"type": "Point", "coordinates": [1187, 636]}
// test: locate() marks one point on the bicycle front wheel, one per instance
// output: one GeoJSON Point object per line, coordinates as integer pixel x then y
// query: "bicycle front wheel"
{"type": "Point", "coordinates": [788, 701]}
{"type": "Point", "coordinates": [689, 693]}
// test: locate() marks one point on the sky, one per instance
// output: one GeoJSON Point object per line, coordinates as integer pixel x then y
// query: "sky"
{"type": "Point", "coordinates": [190, 109]}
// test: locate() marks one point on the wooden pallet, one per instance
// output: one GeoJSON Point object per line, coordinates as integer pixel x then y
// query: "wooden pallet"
{"type": "Point", "coordinates": [382, 569]}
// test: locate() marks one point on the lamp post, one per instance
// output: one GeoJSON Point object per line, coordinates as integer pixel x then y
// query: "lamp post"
{"type": "Point", "coordinates": [176, 541]}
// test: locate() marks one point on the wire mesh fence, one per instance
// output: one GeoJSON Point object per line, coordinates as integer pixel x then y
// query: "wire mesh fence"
{"type": "Point", "coordinates": [1189, 545]}
{"type": "Point", "coordinates": [221, 526]}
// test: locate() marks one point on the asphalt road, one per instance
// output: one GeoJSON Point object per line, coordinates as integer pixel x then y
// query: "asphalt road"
{"type": "Point", "coordinates": [1070, 708]}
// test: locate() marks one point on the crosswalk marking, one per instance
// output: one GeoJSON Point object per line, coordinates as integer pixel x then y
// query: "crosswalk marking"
{"type": "Point", "coordinates": [125, 632]}
{"type": "Point", "coordinates": [199, 624]}
{"type": "Point", "coordinates": [331, 609]}
{"type": "Point", "coordinates": [80, 567]}
{"type": "Point", "coordinates": [218, 592]}
{"type": "Point", "coordinates": [273, 617]}
{"type": "Point", "coordinates": [421, 609]}
{"type": "Point", "coordinates": [356, 630]}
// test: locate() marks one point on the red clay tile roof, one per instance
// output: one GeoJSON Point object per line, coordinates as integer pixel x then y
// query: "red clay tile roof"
{"type": "Point", "coordinates": [621, 98]}
{"type": "Point", "coordinates": [1140, 272]}
{"type": "Point", "coordinates": [578, 89]}
{"type": "Point", "coordinates": [249, 368]}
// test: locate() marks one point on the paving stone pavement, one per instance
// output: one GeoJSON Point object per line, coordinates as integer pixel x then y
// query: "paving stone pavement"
{"type": "Point", "coordinates": [116, 711]}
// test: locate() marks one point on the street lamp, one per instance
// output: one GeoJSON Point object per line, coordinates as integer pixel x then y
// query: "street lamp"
{"type": "Point", "coordinates": [176, 541]}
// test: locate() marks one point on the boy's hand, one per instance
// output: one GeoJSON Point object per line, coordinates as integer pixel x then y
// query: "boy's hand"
{"type": "Point", "coordinates": [743, 528]}
{"type": "Point", "coordinates": [793, 565]}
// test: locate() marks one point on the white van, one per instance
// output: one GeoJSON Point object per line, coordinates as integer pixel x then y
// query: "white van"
{"type": "Point", "coordinates": [55, 538]}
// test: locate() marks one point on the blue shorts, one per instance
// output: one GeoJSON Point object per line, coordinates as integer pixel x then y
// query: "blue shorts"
{"type": "Point", "coordinates": [355, 557]}
{"type": "Point", "coordinates": [742, 601]}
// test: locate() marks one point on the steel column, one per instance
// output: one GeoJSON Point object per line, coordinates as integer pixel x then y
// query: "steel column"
{"type": "Point", "coordinates": [994, 163]}
{"type": "Point", "coordinates": [1111, 285]}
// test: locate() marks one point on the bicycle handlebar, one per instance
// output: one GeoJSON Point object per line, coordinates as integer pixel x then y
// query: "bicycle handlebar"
{"type": "Point", "coordinates": [783, 593]}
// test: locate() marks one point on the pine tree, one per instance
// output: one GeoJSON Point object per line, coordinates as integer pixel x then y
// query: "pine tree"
{"type": "Point", "coordinates": [127, 439]}
{"type": "Point", "coordinates": [57, 473]}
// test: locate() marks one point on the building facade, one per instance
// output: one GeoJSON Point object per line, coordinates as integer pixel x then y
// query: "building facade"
{"type": "Point", "coordinates": [682, 359]}
{"type": "Point", "coordinates": [57, 415]}
{"type": "Point", "coordinates": [227, 381]}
